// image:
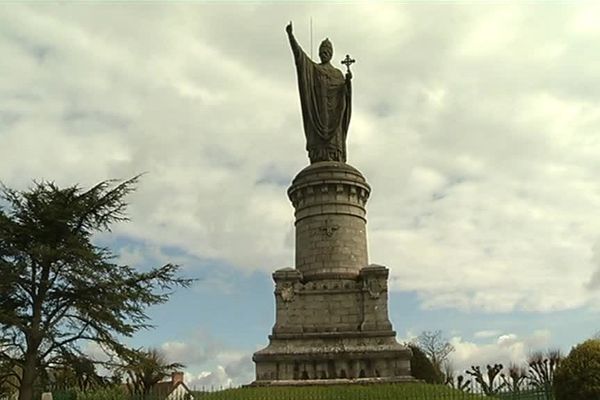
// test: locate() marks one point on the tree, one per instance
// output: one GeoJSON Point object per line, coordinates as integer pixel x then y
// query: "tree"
{"type": "Point", "coordinates": [435, 346]}
{"type": "Point", "coordinates": [145, 369]}
{"type": "Point", "coordinates": [578, 375]}
{"type": "Point", "coordinates": [8, 383]}
{"type": "Point", "coordinates": [515, 378]}
{"type": "Point", "coordinates": [74, 371]}
{"type": "Point", "coordinates": [542, 367]}
{"type": "Point", "coordinates": [487, 382]}
{"type": "Point", "coordinates": [58, 288]}
{"type": "Point", "coordinates": [453, 380]}
{"type": "Point", "coordinates": [422, 368]}
{"type": "Point", "coordinates": [461, 383]}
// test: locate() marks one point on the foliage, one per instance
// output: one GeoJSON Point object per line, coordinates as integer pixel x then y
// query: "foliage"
{"type": "Point", "coordinates": [106, 393]}
{"type": "Point", "coordinates": [65, 394]}
{"type": "Point", "coordinates": [422, 368]}
{"type": "Point", "coordinates": [578, 375]}
{"type": "Point", "coordinates": [435, 346]}
{"type": "Point", "coordinates": [488, 382]}
{"type": "Point", "coordinates": [57, 287]}
{"type": "Point", "coordinates": [146, 369]}
{"type": "Point", "coordinates": [74, 372]}
{"type": "Point", "coordinates": [8, 379]}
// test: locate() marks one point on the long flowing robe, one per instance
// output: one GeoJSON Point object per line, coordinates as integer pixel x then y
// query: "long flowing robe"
{"type": "Point", "coordinates": [325, 98]}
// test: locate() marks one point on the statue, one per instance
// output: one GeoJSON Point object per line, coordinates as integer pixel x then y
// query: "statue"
{"type": "Point", "coordinates": [325, 98]}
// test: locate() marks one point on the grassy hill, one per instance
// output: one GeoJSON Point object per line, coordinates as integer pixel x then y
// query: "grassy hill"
{"type": "Point", "coordinates": [351, 392]}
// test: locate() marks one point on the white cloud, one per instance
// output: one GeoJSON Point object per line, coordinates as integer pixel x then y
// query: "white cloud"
{"type": "Point", "coordinates": [476, 130]}
{"type": "Point", "coordinates": [506, 349]}
{"type": "Point", "coordinates": [198, 349]}
{"type": "Point", "coordinates": [211, 380]}
{"type": "Point", "coordinates": [486, 334]}
{"type": "Point", "coordinates": [209, 362]}
{"type": "Point", "coordinates": [594, 282]}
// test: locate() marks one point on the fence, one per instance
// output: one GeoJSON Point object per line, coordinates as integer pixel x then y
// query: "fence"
{"type": "Point", "coordinates": [348, 392]}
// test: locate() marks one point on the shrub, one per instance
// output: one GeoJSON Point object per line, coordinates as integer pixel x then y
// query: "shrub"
{"type": "Point", "coordinates": [422, 368]}
{"type": "Point", "coordinates": [578, 375]}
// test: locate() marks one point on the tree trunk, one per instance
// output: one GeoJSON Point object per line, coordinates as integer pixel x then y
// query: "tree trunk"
{"type": "Point", "coordinates": [28, 378]}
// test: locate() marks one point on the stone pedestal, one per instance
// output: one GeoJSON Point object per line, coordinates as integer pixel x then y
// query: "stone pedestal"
{"type": "Point", "coordinates": [332, 322]}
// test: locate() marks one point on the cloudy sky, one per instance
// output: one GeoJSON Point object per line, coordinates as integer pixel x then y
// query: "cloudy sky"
{"type": "Point", "coordinates": [477, 126]}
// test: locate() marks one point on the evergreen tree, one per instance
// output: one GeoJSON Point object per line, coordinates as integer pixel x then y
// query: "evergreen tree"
{"type": "Point", "coordinates": [57, 287]}
{"type": "Point", "coordinates": [422, 368]}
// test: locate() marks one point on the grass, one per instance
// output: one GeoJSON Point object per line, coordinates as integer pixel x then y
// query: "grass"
{"type": "Point", "coordinates": [414, 391]}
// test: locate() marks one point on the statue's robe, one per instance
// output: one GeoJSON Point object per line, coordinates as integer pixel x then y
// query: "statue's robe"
{"type": "Point", "coordinates": [325, 97]}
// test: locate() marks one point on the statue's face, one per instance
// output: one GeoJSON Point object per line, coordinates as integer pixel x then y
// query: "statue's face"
{"type": "Point", "coordinates": [325, 54]}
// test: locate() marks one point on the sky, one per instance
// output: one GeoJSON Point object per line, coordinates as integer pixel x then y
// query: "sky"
{"type": "Point", "coordinates": [476, 124]}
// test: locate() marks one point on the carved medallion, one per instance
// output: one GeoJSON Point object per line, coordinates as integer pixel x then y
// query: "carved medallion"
{"type": "Point", "coordinates": [374, 288]}
{"type": "Point", "coordinates": [328, 228]}
{"type": "Point", "coordinates": [287, 293]}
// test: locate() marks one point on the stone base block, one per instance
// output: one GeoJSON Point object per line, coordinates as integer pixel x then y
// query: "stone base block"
{"type": "Point", "coordinates": [336, 358]}
{"type": "Point", "coordinates": [338, 381]}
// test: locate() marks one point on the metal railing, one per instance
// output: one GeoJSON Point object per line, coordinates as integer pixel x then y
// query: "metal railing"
{"type": "Point", "coordinates": [352, 392]}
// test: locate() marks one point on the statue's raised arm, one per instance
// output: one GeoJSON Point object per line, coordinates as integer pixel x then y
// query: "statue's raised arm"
{"type": "Point", "coordinates": [325, 98]}
{"type": "Point", "coordinates": [296, 49]}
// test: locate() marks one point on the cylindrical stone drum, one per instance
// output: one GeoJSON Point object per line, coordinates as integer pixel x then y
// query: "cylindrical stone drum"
{"type": "Point", "coordinates": [331, 242]}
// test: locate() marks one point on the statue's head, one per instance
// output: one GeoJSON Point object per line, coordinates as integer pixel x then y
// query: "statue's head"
{"type": "Point", "coordinates": [325, 51]}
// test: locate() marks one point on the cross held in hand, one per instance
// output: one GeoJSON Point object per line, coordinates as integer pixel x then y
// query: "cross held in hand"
{"type": "Point", "coordinates": [348, 61]}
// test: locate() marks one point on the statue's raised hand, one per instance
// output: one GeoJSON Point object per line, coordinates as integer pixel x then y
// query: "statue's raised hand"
{"type": "Point", "coordinates": [288, 28]}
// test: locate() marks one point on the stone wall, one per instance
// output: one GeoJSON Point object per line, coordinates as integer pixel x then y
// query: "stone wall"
{"type": "Point", "coordinates": [331, 241]}
{"type": "Point", "coordinates": [331, 313]}
{"type": "Point", "coordinates": [334, 368]}
{"type": "Point", "coordinates": [331, 305]}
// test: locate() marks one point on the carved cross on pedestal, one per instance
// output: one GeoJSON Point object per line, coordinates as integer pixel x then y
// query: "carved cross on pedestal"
{"type": "Point", "coordinates": [348, 61]}
{"type": "Point", "coordinates": [329, 229]}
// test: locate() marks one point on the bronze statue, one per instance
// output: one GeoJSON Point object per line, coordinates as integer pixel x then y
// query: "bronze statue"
{"type": "Point", "coordinates": [325, 98]}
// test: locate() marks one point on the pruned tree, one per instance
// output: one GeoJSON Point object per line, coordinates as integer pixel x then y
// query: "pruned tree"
{"type": "Point", "coordinates": [463, 384]}
{"type": "Point", "coordinates": [515, 378]}
{"type": "Point", "coordinates": [542, 367]}
{"type": "Point", "coordinates": [145, 369]}
{"type": "Point", "coordinates": [455, 381]}
{"type": "Point", "coordinates": [435, 346]}
{"type": "Point", "coordinates": [57, 287]}
{"type": "Point", "coordinates": [488, 382]}
{"type": "Point", "coordinates": [448, 372]}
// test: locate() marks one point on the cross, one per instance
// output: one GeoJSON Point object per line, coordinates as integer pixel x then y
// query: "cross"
{"type": "Point", "coordinates": [348, 61]}
{"type": "Point", "coordinates": [329, 229]}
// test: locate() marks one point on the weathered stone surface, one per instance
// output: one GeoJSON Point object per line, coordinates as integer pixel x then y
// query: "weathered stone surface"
{"type": "Point", "coordinates": [331, 318]}
{"type": "Point", "coordinates": [331, 241]}
{"type": "Point", "coordinates": [331, 322]}
{"type": "Point", "coordinates": [325, 98]}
